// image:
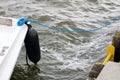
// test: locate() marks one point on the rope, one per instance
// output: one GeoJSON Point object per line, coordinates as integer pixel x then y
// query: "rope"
{"type": "Point", "coordinates": [27, 60]}
{"type": "Point", "coordinates": [23, 20]}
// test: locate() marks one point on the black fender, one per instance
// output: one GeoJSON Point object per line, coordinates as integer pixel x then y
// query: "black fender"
{"type": "Point", "coordinates": [32, 45]}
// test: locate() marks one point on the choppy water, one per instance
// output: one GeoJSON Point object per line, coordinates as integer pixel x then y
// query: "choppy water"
{"type": "Point", "coordinates": [65, 56]}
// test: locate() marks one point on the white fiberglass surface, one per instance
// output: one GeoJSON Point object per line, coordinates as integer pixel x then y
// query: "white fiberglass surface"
{"type": "Point", "coordinates": [5, 34]}
{"type": "Point", "coordinates": [8, 35]}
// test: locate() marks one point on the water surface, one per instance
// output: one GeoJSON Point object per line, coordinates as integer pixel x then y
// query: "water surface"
{"type": "Point", "coordinates": [65, 56]}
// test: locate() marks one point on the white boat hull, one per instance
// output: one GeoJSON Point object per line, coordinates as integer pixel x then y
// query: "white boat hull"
{"type": "Point", "coordinates": [11, 40]}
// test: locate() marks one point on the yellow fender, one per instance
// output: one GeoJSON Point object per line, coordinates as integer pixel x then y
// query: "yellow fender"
{"type": "Point", "coordinates": [110, 54]}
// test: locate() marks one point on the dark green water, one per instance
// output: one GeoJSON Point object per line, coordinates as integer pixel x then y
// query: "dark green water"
{"type": "Point", "coordinates": [65, 56]}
